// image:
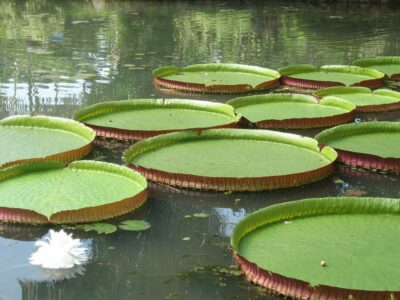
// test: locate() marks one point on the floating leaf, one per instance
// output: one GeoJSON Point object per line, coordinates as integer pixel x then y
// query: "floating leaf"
{"type": "Point", "coordinates": [43, 138]}
{"type": "Point", "coordinates": [218, 159]}
{"type": "Point", "coordinates": [142, 118]}
{"type": "Point", "coordinates": [217, 78]}
{"type": "Point", "coordinates": [326, 230]}
{"type": "Point", "coordinates": [371, 145]}
{"type": "Point", "coordinates": [309, 76]}
{"type": "Point", "coordinates": [390, 65]}
{"type": "Point", "coordinates": [134, 225]}
{"type": "Point", "coordinates": [281, 110]}
{"type": "Point", "coordinates": [101, 228]}
{"type": "Point", "coordinates": [79, 193]}
{"type": "Point", "coordinates": [365, 99]}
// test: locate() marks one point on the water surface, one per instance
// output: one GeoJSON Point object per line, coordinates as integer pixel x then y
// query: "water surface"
{"type": "Point", "coordinates": [58, 56]}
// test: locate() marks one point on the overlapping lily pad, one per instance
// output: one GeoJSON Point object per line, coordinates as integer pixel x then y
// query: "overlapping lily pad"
{"type": "Point", "coordinates": [142, 118]}
{"type": "Point", "coordinates": [216, 78]}
{"type": "Point", "coordinates": [231, 159]}
{"type": "Point", "coordinates": [292, 111]}
{"type": "Point", "coordinates": [323, 248]}
{"type": "Point", "coordinates": [371, 145]}
{"type": "Point", "coordinates": [390, 65]}
{"type": "Point", "coordinates": [365, 99]}
{"type": "Point", "coordinates": [85, 191]}
{"type": "Point", "coordinates": [311, 77]}
{"type": "Point", "coordinates": [27, 138]}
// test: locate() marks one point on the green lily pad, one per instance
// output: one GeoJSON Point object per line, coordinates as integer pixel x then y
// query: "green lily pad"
{"type": "Point", "coordinates": [363, 98]}
{"type": "Point", "coordinates": [348, 246]}
{"type": "Point", "coordinates": [375, 138]}
{"type": "Point", "coordinates": [334, 75]}
{"type": "Point", "coordinates": [134, 225]}
{"type": "Point", "coordinates": [292, 110]}
{"type": "Point", "coordinates": [85, 191]}
{"type": "Point", "coordinates": [148, 117]}
{"type": "Point", "coordinates": [390, 65]}
{"type": "Point", "coordinates": [229, 159]}
{"type": "Point", "coordinates": [371, 145]}
{"type": "Point", "coordinates": [216, 78]}
{"type": "Point", "coordinates": [43, 138]}
{"type": "Point", "coordinates": [100, 228]}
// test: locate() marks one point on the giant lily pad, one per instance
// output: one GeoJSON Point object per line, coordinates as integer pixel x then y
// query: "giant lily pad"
{"type": "Point", "coordinates": [143, 118]}
{"type": "Point", "coordinates": [308, 76]}
{"type": "Point", "coordinates": [323, 248]}
{"type": "Point", "coordinates": [85, 191]}
{"type": "Point", "coordinates": [365, 99]}
{"type": "Point", "coordinates": [28, 138]}
{"type": "Point", "coordinates": [216, 78]}
{"type": "Point", "coordinates": [231, 159]}
{"type": "Point", "coordinates": [371, 145]}
{"type": "Point", "coordinates": [390, 65]}
{"type": "Point", "coordinates": [292, 111]}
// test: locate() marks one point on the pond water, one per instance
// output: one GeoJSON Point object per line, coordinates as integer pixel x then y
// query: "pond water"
{"type": "Point", "coordinates": [57, 56]}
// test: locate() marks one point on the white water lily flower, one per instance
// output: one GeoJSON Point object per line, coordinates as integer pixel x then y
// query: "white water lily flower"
{"type": "Point", "coordinates": [59, 251]}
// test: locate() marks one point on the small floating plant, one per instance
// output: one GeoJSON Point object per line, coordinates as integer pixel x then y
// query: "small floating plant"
{"type": "Point", "coordinates": [231, 159]}
{"type": "Point", "coordinates": [311, 77]}
{"type": "Point", "coordinates": [138, 119]}
{"type": "Point", "coordinates": [323, 248]}
{"type": "Point", "coordinates": [292, 111]}
{"type": "Point", "coordinates": [217, 78]}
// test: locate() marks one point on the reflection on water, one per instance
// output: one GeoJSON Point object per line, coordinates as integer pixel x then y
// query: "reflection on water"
{"type": "Point", "coordinates": [57, 56]}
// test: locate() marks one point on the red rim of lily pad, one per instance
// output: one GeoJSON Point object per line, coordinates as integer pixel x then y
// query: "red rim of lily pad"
{"type": "Point", "coordinates": [296, 288]}
{"type": "Point", "coordinates": [337, 91]}
{"type": "Point", "coordinates": [300, 122]}
{"type": "Point", "coordinates": [380, 60]}
{"type": "Point", "coordinates": [82, 215]}
{"type": "Point", "coordinates": [362, 160]}
{"type": "Point", "coordinates": [160, 73]}
{"type": "Point", "coordinates": [104, 108]}
{"type": "Point", "coordinates": [286, 72]}
{"type": "Point", "coordinates": [54, 123]}
{"type": "Point", "coordinates": [190, 181]}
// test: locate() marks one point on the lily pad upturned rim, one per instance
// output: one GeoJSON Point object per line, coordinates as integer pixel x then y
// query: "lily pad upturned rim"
{"type": "Point", "coordinates": [83, 215]}
{"type": "Point", "coordinates": [297, 288]}
{"type": "Point", "coordinates": [356, 159]}
{"type": "Point", "coordinates": [214, 67]}
{"type": "Point", "coordinates": [54, 123]}
{"type": "Point", "coordinates": [124, 134]}
{"type": "Point", "coordinates": [230, 183]}
{"type": "Point", "coordinates": [380, 60]}
{"type": "Point", "coordinates": [316, 122]}
{"type": "Point", "coordinates": [337, 91]}
{"type": "Point", "coordinates": [286, 72]}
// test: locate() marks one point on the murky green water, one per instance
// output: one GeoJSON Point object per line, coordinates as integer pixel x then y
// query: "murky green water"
{"type": "Point", "coordinates": [58, 56]}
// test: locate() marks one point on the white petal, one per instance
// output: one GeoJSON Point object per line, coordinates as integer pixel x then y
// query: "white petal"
{"type": "Point", "coordinates": [59, 251]}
